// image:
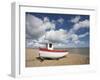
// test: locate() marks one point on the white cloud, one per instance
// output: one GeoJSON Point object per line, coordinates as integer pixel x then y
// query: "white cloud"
{"type": "Point", "coordinates": [46, 19]}
{"type": "Point", "coordinates": [36, 27]}
{"type": "Point", "coordinates": [33, 27]}
{"type": "Point", "coordinates": [37, 32]}
{"type": "Point", "coordinates": [48, 25]}
{"type": "Point", "coordinates": [34, 44]}
{"type": "Point", "coordinates": [60, 20]}
{"type": "Point", "coordinates": [81, 24]}
{"type": "Point", "coordinates": [74, 37]}
{"type": "Point", "coordinates": [56, 35]}
{"type": "Point", "coordinates": [76, 19]}
{"type": "Point", "coordinates": [78, 25]}
{"type": "Point", "coordinates": [60, 45]}
{"type": "Point", "coordinates": [83, 35]}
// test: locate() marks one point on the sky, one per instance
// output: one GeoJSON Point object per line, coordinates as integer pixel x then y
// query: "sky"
{"type": "Point", "coordinates": [64, 30]}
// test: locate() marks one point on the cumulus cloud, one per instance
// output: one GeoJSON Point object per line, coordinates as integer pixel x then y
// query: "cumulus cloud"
{"type": "Point", "coordinates": [60, 45]}
{"type": "Point", "coordinates": [76, 19]}
{"type": "Point", "coordinates": [36, 27]}
{"type": "Point", "coordinates": [34, 44]}
{"type": "Point", "coordinates": [81, 24]}
{"type": "Point", "coordinates": [56, 35]}
{"type": "Point", "coordinates": [74, 37]}
{"type": "Point", "coordinates": [48, 25]}
{"type": "Point", "coordinates": [46, 19]}
{"type": "Point", "coordinates": [33, 27]}
{"type": "Point", "coordinates": [39, 31]}
{"type": "Point", "coordinates": [60, 20]}
{"type": "Point", "coordinates": [83, 35]}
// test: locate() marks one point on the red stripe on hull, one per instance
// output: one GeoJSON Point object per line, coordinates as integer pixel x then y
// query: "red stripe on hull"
{"type": "Point", "coordinates": [45, 49]}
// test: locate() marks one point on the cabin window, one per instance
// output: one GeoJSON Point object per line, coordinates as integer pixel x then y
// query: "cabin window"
{"type": "Point", "coordinates": [50, 45]}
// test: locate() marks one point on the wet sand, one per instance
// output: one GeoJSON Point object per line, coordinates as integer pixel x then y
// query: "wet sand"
{"type": "Point", "coordinates": [32, 59]}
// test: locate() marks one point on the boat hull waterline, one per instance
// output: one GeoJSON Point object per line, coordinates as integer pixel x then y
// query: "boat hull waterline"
{"type": "Point", "coordinates": [52, 53]}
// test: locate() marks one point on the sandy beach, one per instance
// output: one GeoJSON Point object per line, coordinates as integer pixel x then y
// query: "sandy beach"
{"type": "Point", "coordinates": [32, 59]}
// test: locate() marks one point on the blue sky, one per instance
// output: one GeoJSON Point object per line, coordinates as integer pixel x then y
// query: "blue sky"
{"type": "Point", "coordinates": [66, 30]}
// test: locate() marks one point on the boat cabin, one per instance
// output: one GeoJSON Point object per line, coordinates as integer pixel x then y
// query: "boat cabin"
{"type": "Point", "coordinates": [49, 46]}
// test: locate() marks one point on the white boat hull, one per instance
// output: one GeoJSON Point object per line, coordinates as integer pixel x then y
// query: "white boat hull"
{"type": "Point", "coordinates": [47, 54]}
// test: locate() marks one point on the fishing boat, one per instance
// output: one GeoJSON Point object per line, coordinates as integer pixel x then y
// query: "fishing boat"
{"type": "Point", "coordinates": [50, 52]}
